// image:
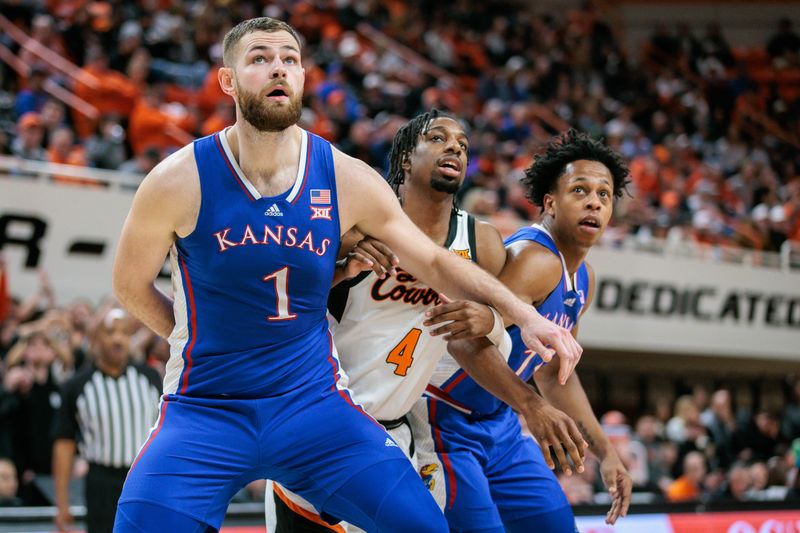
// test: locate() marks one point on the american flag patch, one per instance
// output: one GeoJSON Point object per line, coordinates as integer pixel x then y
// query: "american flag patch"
{"type": "Point", "coordinates": [320, 196]}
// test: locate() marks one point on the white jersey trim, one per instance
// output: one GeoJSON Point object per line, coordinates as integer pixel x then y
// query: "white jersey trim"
{"type": "Point", "coordinates": [572, 282]}
{"type": "Point", "coordinates": [301, 165]}
{"type": "Point", "coordinates": [180, 333]}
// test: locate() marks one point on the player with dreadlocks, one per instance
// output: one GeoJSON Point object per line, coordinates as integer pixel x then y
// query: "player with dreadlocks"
{"type": "Point", "coordinates": [497, 479]}
{"type": "Point", "coordinates": [377, 317]}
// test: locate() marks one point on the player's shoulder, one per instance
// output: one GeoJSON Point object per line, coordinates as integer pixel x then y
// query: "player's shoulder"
{"type": "Point", "coordinates": [489, 246]}
{"type": "Point", "coordinates": [344, 161]}
{"type": "Point", "coordinates": [485, 232]}
{"type": "Point", "coordinates": [176, 173]}
{"type": "Point", "coordinates": [172, 191]}
{"type": "Point", "coordinates": [532, 256]}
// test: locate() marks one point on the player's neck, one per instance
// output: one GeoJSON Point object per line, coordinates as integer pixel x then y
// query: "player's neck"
{"type": "Point", "coordinates": [430, 211]}
{"type": "Point", "coordinates": [574, 253]}
{"type": "Point", "coordinates": [263, 154]}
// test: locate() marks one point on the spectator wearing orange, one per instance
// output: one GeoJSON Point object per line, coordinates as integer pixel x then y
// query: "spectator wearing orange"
{"type": "Point", "coordinates": [30, 134]}
{"type": "Point", "coordinates": [150, 125]}
{"type": "Point", "coordinates": [224, 115]}
{"type": "Point", "coordinates": [689, 486]}
{"type": "Point", "coordinates": [62, 150]}
{"type": "Point", "coordinates": [111, 92]}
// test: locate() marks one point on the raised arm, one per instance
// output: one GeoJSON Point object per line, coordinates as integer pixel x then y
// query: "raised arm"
{"type": "Point", "coordinates": [367, 203]}
{"type": "Point", "coordinates": [165, 205]}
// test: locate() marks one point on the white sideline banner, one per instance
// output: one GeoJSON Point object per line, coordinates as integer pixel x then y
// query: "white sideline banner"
{"type": "Point", "coordinates": [648, 302]}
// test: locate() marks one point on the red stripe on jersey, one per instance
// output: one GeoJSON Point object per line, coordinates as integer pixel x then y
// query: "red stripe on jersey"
{"type": "Point", "coordinates": [448, 467]}
{"type": "Point", "coordinates": [458, 379]}
{"type": "Point", "coordinates": [438, 394]}
{"type": "Point", "coordinates": [187, 354]}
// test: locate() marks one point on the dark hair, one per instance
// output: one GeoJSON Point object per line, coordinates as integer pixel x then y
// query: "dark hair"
{"type": "Point", "coordinates": [404, 142]}
{"type": "Point", "coordinates": [236, 33]}
{"type": "Point", "coordinates": [542, 176]}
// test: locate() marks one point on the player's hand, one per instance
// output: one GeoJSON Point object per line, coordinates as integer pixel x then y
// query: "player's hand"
{"type": "Point", "coordinates": [552, 427]}
{"type": "Point", "coordinates": [467, 319]}
{"type": "Point", "coordinates": [372, 254]}
{"type": "Point", "coordinates": [619, 483]}
{"type": "Point", "coordinates": [547, 339]}
{"type": "Point", "coordinates": [64, 519]}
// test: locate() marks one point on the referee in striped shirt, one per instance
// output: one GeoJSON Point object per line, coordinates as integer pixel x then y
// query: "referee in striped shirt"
{"type": "Point", "coordinates": [106, 412]}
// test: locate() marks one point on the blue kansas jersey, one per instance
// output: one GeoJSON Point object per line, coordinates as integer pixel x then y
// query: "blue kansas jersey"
{"type": "Point", "coordinates": [251, 281]}
{"type": "Point", "coordinates": [562, 306]}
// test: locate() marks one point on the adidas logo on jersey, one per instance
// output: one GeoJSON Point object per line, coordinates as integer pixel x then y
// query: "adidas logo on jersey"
{"type": "Point", "coordinates": [273, 211]}
{"type": "Point", "coordinates": [390, 442]}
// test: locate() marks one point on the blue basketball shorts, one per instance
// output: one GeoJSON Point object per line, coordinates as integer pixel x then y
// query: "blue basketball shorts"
{"type": "Point", "coordinates": [485, 474]}
{"type": "Point", "coordinates": [315, 441]}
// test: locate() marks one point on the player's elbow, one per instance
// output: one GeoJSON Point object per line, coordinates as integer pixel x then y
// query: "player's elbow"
{"type": "Point", "coordinates": [125, 287]}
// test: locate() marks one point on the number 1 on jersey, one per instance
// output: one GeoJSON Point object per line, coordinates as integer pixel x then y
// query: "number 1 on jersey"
{"type": "Point", "coordinates": [281, 278]}
{"type": "Point", "coordinates": [402, 355]}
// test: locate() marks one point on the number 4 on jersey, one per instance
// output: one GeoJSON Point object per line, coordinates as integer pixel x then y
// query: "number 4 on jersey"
{"type": "Point", "coordinates": [402, 355]}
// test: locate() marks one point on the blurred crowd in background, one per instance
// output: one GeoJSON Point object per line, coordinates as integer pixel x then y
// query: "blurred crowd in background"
{"type": "Point", "coordinates": [711, 129]}
{"type": "Point", "coordinates": [711, 132]}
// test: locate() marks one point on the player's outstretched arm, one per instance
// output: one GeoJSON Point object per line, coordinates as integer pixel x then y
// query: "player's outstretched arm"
{"type": "Point", "coordinates": [551, 427]}
{"type": "Point", "coordinates": [368, 203]}
{"type": "Point", "coordinates": [165, 205]}
{"type": "Point", "coordinates": [571, 398]}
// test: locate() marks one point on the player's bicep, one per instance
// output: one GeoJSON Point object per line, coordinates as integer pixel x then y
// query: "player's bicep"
{"type": "Point", "coordinates": [143, 245]}
{"type": "Point", "coordinates": [157, 212]}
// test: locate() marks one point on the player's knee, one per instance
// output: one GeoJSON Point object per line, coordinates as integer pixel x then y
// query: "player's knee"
{"type": "Point", "coordinates": [557, 521]}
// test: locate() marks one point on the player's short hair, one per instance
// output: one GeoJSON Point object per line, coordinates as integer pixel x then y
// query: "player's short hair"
{"type": "Point", "coordinates": [236, 33]}
{"type": "Point", "coordinates": [404, 142]}
{"type": "Point", "coordinates": [541, 177]}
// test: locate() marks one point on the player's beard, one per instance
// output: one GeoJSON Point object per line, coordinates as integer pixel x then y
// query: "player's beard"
{"type": "Point", "coordinates": [441, 184]}
{"type": "Point", "coordinates": [267, 117]}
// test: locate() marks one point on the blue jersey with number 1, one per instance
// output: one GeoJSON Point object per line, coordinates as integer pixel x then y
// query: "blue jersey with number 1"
{"type": "Point", "coordinates": [251, 281]}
